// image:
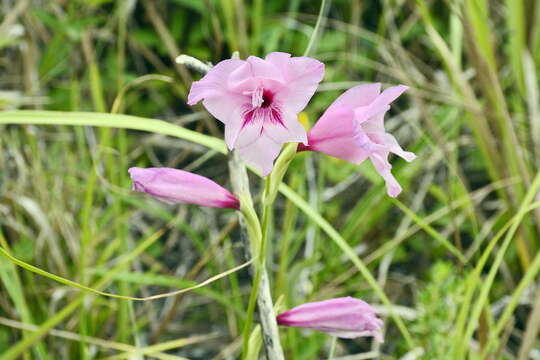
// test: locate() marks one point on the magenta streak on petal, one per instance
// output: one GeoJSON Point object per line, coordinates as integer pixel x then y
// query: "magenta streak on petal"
{"type": "Point", "coordinates": [276, 117]}
{"type": "Point", "coordinates": [248, 117]}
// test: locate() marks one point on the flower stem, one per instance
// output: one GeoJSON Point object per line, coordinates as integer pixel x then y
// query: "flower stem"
{"type": "Point", "coordinates": [255, 244]}
{"type": "Point", "coordinates": [266, 211]}
{"type": "Point", "coordinates": [332, 351]}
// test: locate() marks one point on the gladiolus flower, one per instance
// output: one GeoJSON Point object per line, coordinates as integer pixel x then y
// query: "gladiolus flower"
{"type": "Point", "coordinates": [352, 129]}
{"type": "Point", "coordinates": [344, 317]}
{"type": "Point", "coordinates": [258, 101]}
{"type": "Point", "coordinates": [178, 186]}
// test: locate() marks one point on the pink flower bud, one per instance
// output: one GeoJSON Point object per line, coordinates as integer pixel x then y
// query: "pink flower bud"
{"type": "Point", "coordinates": [344, 317]}
{"type": "Point", "coordinates": [352, 129]}
{"type": "Point", "coordinates": [178, 186]}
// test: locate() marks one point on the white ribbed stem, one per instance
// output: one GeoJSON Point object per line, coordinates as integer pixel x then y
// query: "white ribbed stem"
{"type": "Point", "coordinates": [267, 316]}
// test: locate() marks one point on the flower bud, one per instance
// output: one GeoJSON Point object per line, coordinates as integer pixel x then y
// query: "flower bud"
{"type": "Point", "coordinates": [344, 317]}
{"type": "Point", "coordinates": [178, 186]}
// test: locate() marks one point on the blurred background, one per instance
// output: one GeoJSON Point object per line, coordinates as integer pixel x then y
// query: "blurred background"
{"type": "Point", "coordinates": [456, 251]}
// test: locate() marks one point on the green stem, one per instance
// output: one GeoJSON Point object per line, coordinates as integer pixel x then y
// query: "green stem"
{"type": "Point", "coordinates": [332, 351]}
{"type": "Point", "coordinates": [266, 211]}
{"type": "Point", "coordinates": [315, 33]}
{"type": "Point", "coordinates": [261, 253]}
{"type": "Point", "coordinates": [250, 311]}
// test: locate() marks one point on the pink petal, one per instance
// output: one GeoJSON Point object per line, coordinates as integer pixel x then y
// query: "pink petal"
{"type": "Point", "coordinates": [393, 146]}
{"type": "Point", "coordinates": [374, 124]}
{"type": "Point", "coordinates": [178, 186]}
{"type": "Point", "coordinates": [253, 73]}
{"type": "Point", "coordinates": [358, 96]}
{"type": "Point", "coordinates": [264, 69]}
{"type": "Point", "coordinates": [228, 109]}
{"type": "Point", "coordinates": [335, 134]}
{"type": "Point", "coordinates": [249, 134]}
{"type": "Point", "coordinates": [290, 131]}
{"type": "Point", "coordinates": [337, 121]}
{"type": "Point", "coordinates": [392, 93]}
{"type": "Point", "coordinates": [279, 59]}
{"type": "Point", "coordinates": [219, 99]}
{"type": "Point", "coordinates": [214, 83]}
{"type": "Point", "coordinates": [380, 104]}
{"type": "Point", "coordinates": [383, 167]}
{"type": "Point", "coordinates": [301, 75]}
{"type": "Point", "coordinates": [233, 128]}
{"type": "Point", "coordinates": [261, 154]}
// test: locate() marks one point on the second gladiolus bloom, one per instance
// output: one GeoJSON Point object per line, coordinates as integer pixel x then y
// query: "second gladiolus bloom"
{"type": "Point", "coordinates": [352, 129]}
{"type": "Point", "coordinates": [258, 100]}
{"type": "Point", "coordinates": [345, 317]}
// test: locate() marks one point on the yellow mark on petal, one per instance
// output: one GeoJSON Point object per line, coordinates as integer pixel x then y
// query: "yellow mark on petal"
{"type": "Point", "coordinates": [304, 120]}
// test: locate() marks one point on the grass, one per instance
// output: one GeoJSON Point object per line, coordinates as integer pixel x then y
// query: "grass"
{"type": "Point", "coordinates": [452, 264]}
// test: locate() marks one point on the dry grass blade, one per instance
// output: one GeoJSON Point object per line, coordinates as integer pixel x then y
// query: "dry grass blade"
{"type": "Point", "coordinates": [129, 350]}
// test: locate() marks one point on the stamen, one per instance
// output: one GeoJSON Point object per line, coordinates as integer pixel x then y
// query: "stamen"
{"type": "Point", "coordinates": [257, 98]}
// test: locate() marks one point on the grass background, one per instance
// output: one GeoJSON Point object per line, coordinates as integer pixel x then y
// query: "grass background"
{"type": "Point", "coordinates": [457, 252]}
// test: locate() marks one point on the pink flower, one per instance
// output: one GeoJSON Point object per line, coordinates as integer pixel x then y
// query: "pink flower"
{"type": "Point", "coordinates": [258, 101]}
{"type": "Point", "coordinates": [352, 128]}
{"type": "Point", "coordinates": [344, 317]}
{"type": "Point", "coordinates": [178, 186]}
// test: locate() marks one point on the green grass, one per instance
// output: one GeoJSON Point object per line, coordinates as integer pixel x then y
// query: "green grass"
{"type": "Point", "coordinates": [452, 264]}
